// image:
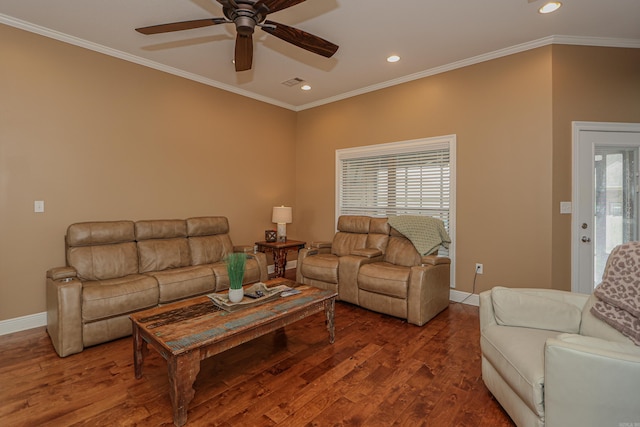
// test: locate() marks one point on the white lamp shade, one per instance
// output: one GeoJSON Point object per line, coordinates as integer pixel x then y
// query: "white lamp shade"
{"type": "Point", "coordinates": [282, 215]}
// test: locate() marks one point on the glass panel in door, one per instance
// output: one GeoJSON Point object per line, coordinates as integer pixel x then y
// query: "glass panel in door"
{"type": "Point", "coordinates": [616, 202]}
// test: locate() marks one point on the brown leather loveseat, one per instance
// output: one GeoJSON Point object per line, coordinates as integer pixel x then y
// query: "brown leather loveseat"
{"type": "Point", "coordinates": [372, 265]}
{"type": "Point", "coordinates": [115, 268]}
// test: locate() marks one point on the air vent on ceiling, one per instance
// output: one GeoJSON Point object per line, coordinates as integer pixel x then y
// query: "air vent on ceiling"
{"type": "Point", "coordinates": [293, 82]}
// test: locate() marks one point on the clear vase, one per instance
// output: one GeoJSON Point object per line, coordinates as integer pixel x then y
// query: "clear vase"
{"type": "Point", "coordinates": [236, 295]}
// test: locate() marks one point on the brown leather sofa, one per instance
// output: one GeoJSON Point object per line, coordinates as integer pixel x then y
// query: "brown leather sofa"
{"type": "Point", "coordinates": [372, 265]}
{"type": "Point", "coordinates": [117, 268]}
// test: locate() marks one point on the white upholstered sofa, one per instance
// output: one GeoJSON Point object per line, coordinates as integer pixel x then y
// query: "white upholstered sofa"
{"type": "Point", "coordinates": [551, 362]}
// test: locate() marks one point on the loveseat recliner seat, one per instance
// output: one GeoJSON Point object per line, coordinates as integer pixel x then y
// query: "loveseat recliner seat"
{"type": "Point", "coordinates": [372, 265]}
{"type": "Point", "coordinates": [115, 268]}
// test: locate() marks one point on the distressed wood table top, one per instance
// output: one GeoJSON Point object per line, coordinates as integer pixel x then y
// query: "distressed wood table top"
{"type": "Point", "coordinates": [186, 332]}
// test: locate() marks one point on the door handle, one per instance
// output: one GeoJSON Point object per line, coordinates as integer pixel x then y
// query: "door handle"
{"type": "Point", "coordinates": [585, 239]}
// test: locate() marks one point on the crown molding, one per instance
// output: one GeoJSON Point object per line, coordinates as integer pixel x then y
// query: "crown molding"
{"type": "Point", "coordinates": [556, 39]}
{"type": "Point", "coordinates": [571, 40]}
{"type": "Point", "coordinates": [56, 35]}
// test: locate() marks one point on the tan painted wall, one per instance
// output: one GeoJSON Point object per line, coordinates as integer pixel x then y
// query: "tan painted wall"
{"type": "Point", "coordinates": [500, 112]}
{"type": "Point", "coordinates": [98, 138]}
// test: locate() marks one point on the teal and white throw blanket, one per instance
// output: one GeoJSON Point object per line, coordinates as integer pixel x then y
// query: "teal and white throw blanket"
{"type": "Point", "coordinates": [426, 233]}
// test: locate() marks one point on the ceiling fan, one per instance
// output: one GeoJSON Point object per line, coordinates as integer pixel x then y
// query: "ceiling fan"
{"type": "Point", "coordinates": [246, 15]}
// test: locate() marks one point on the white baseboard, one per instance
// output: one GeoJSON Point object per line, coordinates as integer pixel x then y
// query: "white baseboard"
{"type": "Point", "coordinates": [23, 323]}
{"type": "Point", "coordinates": [464, 297]}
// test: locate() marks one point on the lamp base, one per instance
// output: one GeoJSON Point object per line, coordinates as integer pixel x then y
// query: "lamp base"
{"type": "Point", "coordinates": [282, 232]}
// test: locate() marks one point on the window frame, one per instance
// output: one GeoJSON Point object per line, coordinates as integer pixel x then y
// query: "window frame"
{"type": "Point", "coordinates": [404, 147]}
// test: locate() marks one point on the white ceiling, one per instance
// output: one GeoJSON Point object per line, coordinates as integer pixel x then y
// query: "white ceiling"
{"type": "Point", "coordinates": [431, 36]}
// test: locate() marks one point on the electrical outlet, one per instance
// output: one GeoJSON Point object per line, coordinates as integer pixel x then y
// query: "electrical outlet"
{"type": "Point", "coordinates": [479, 268]}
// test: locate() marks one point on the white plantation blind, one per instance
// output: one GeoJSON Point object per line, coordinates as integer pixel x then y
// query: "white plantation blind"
{"type": "Point", "coordinates": [403, 178]}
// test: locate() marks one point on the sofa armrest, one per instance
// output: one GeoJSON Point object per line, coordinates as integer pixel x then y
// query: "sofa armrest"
{"type": "Point", "coordinates": [487, 315]}
{"type": "Point", "coordinates": [591, 382]}
{"type": "Point", "coordinates": [243, 249]}
{"type": "Point", "coordinates": [367, 252]}
{"type": "Point", "coordinates": [261, 259]}
{"type": "Point", "coordinates": [302, 254]}
{"type": "Point", "coordinates": [428, 294]}
{"type": "Point", "coordinates": [434, 260]}
{"type": "Point", "coordinates": [320, 245]}
{"type": "Point", "coordinates": [60, 273]}
{"type": "Point", "coordinates": [64, 313]}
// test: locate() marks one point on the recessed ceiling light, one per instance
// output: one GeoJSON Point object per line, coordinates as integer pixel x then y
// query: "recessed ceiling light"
{"type": "Point", "coordinates": [305, 87]}
{"type": "Point", "coordinates": [551, 6]}
{"type": "Point", "coordinates": [393, 58]}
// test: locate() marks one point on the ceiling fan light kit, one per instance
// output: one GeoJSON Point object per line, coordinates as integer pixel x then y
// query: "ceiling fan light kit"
{"type": "Point", "coordinates": [246, 15]}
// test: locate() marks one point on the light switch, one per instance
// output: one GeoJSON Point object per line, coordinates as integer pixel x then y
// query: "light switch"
{"type": "Point", "coordinates": [38, 206]}
{"type": "Point", "coordinates": [565, 207]}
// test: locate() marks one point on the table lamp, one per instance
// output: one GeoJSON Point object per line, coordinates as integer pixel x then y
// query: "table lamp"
{"type": "Point", "coordinates": [282, 216]}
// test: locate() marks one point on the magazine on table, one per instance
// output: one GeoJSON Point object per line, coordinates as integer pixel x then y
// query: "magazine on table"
{"type": "Point", "coordinates": [256, 294]}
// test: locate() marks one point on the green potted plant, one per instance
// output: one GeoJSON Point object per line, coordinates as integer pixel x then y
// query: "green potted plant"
{"type": "Point", "coordinates": [235, 269]}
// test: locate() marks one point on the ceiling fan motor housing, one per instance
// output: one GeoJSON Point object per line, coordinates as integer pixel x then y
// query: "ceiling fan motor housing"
{"type": "Point", "coordinates": [244, 16]}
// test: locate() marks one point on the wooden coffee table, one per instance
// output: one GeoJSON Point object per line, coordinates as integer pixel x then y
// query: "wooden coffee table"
{"type": "Point", "coordinates": [186, 332]}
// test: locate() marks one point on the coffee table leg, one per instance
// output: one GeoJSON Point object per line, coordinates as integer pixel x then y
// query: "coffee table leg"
{"type": "Point", "coordinates": [139, 351]}
{"type": "Point", "coordinates": [329, 310]}
{"type": "Point", "coordinates": [183, 370]}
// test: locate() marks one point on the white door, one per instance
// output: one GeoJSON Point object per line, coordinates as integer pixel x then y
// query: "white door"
{"type": "Point", "coordinates": [605, 194]}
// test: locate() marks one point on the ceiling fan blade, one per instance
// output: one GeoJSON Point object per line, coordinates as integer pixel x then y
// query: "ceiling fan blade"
{"type": "Point", "coordinates": [301, 38]}
{"type": "Point", "coordinates": [179, 26]}
{"type": "Point", "coordinates": [276, 5]}
{"type": "Point", "coordinates": [244, 52]}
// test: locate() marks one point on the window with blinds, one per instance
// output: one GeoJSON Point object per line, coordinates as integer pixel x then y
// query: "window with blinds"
{"type": "Point", "coordinates": [402, 178]}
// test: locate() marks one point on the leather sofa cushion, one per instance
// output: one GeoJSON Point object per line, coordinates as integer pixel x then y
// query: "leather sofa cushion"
{"type": "Point", "coordinates": [517, 308]}
{"type": "Point", "coordinates": [384, 278]}
{"type": "Point", "coordinates": [161, 254]}
{"type": "Point", "coordinates": [207, 226]}
{"type": "Point", "coordinates": [323, 267]}
{"type": "Point", "coordinates": [354, 224]}
{"type": "Point", "coordinates": [379, 226]}
{"type": "Point", "coordinates": [109, 298]}
{"type": "Point", "coordinates": [400, 251]}
{"type": "Point", "coordinates": [160, 229]}
{"type": "Point", "coordinates": [344, 243]}
{"type": "Point", "coordinates": [180, 283]}
{"type": "Point", "coordinates": [209, 249]}
{"type": "Point", "coordinates": [591, 326]}
{"type": "Point", "coordinates": [100, 233]}
{"type": "Point", "coordinates": [103, 262]}
{"type": "Point", "coordinates": [517, 354]}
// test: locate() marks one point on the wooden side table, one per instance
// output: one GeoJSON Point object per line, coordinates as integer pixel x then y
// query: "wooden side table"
{"type": "Point", "coordinates": [279, 251]}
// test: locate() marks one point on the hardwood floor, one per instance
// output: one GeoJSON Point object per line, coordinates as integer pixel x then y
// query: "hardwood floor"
{"type": "Point", "coordinates": [381, 371]}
